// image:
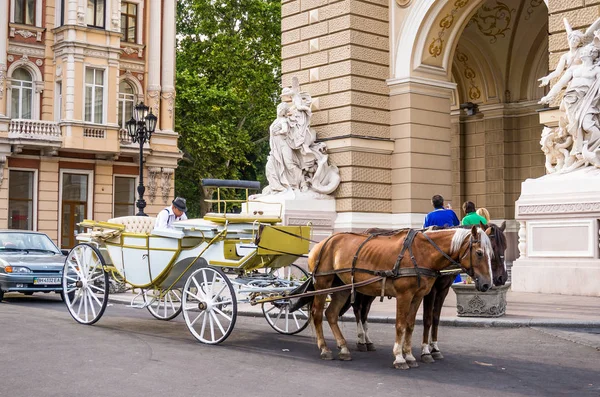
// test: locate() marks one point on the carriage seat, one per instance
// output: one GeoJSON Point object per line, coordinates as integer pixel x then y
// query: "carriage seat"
{"type": "Point", "coordinates": [135, 224]}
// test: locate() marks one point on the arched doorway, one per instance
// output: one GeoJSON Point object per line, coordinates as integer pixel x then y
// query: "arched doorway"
{"type": "Point", "coordinates": [477, 62]}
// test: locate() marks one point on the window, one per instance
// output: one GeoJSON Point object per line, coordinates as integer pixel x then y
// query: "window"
{"type": "Point", "coordinates": [20, 200]}
{"type": "Point", "coordinates": [126, 103]}
{"type": "Point", "coordinates": [94, 95]}
{"type": "Point", "coordinates": [58, 105]}
{"type": "Point", "coordinates": [124, 199]}
{"type": "Point", "coordinates": [95, 13]}
{"type": "Point", "coordinates": [22, 94]}
{"type": "Point", "coordinates": [25, 12]}
{"type": "Point", "coordinates": [128, 22]}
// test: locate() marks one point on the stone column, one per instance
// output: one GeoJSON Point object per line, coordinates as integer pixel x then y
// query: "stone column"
{"type": "Point", "coordinates": [71, 12]}
{"type": "Point", "coordinates": [167, 102]}
{"type": "Point", "coordinates": [3, 42]}
{"type": "Point", "coordinates": [154, 55]}
{"type": "Point", "coordinates": [421, 162]}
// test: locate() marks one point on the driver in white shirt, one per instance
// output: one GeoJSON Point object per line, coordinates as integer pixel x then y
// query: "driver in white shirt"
{"type": "Point", "coordinates": [170, 214]}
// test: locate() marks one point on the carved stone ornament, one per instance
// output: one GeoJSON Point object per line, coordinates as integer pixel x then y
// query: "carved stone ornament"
{"type": "Point", "coordinates": [470, 303]}
{"type": "Point", "coordinates": [165, 185]}
{"type": "Point", "coordinates": [403, 3]}
{"type": "Point", "coordinates": [39, 62]}
{"type": "Point", "coordinates": [154, 96]}
{"type": "Point", "coordinates": [296, 162]}
{"type": "Point", "coordinates": [58, 71]}
{"type": "Point", "coordinates": [140, 77]}
{"type": "Point", "coordinates": [153, 173]}
{"type": "Point", "coordinates": [169, 97]}
{"type": "Point", "coordinates": [2, 78]}
{"type": "Point", "coordinates": [10, 58]}
{"type": "Point", "coordinates": [575, 142]}
{"type": "Point", "coordinates": [2, 164]}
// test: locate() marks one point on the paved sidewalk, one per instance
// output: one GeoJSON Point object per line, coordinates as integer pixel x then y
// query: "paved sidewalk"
{"type": "Point", "coordinates": [523, 309]}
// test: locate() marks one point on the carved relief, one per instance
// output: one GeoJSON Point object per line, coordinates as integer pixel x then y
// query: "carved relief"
{"type": "Point", "coordinates": [170, 98]}
{"type": "Point", "coordinates": [154, 101]}
{"type": "Point", "coordinates": [34, 52]}
{"type": "Point", "coordinates": [403, 3]}
{"type": "Point", "coordinates": [493, 21]}
{"type": "Point", "coordinates": [474, 92]}
{"type": "Point", "coordinates": [559, 208]}
{"type": "Point", "coordinates": [153, 173]}
{"type": "Point", "coordinates": [437, 43]}
{"type": "Point", "coordinates": [165, 186]}
{"type": "Point", "coordinates": [129, 50]}
{"type": "Point", "coordinates": [39, 62]}
{"type": "Point", "coordinates": [2, 79]}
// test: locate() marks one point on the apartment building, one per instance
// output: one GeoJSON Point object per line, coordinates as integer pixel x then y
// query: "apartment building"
{"type": "Point", "coordinates": [71, 72]}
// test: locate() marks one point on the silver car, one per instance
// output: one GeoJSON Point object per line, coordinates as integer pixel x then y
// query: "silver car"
{"type": "Point", "coordinates": [29, 262]}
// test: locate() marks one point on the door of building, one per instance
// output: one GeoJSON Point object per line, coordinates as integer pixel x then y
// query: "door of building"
{"type": "Point", "coordinates": [74, 206]}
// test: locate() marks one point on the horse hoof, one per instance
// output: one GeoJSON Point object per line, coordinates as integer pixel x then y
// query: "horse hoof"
{"type": "Point", "coordinates": [401, 366]}
{"type": "Point", "coordinates": [412, 364]}
{"type": "Point", "coordinates": [362, 347]}
{"type": "Point", "coordinates": [326, 356]}
{"type": "Point", "coordinates": [345, 357]}
{"type": "Point", "coordinates": [371, 347]}
{"type": "Point", "coordinates": [437, 355]}
{"type": "Point", "coordinates": [426, 358]}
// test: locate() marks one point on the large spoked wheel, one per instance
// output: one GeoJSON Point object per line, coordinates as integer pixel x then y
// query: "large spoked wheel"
{"type": "Point", "coordinates": [277, 313]}
{"type": "Point", "coordinates": [85, 284]}
{"type": "Point", "coordinates": [209, 305]}
{"type": "Point", "coordinates": [164, 305]}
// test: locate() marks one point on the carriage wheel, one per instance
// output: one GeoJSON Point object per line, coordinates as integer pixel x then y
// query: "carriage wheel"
{"type": "Point", "coordinates": [165, 307]}
{"type": "Point", "coordinates": [85, 284]}
{"type": "Point", "coordinates": [277, 312]}
{"type": "Point", "coordinates": [209, 305]}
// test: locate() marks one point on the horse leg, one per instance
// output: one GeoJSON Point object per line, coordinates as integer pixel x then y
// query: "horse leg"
{"type": "Point", "coordinates": [442, 292]}
{"type": "Point", "coordinates": [361, 345]}
{"type": "Point", "coordinates": [317, 318]}
{"type": "Point", "coordinates": [410, 326]}
{"type": "Point", "coordinates": [427, 320]}
{"type": "Point", "coordinates": [338, 300]}
{"type": "Point", "coordinates": [364, 315]}
{"type": "Point", "coordinates": [402, 309]}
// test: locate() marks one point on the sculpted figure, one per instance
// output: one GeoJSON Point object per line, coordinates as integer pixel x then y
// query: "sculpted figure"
{"type": "Point", "coordinates": [580, 101]}
{"type": "Point", "coordinates": [576, 39]}
{"type": "Point", "coordinates": [296, 162]}
{"type": "Point", "coordinates": [556, 149]}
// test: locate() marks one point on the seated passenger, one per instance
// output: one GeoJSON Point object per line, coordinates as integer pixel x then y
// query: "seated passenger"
{"type": "Point", "coordinates": [170, 214]}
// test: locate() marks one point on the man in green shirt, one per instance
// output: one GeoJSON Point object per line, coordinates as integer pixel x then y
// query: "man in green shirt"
{"type": "Point", "coordinates": [471, 217]}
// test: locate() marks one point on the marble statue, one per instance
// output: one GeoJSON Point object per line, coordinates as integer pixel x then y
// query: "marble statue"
{"type": "Point", "coordinates": [575, 143]}
{"type": "Point", "coordinates": [296, 162]}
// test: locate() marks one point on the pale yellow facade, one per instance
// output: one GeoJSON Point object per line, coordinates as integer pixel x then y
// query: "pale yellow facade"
{"type": "Point", "coordinates": [70, 73]}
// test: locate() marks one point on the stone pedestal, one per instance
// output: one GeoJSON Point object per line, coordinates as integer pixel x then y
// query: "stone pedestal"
{"type": "Point", "coordinates": [298, 209]}
{"type": "Point", "coordinates": [558, 234]}
{"type": "Point", "coordinates": [471, 303]}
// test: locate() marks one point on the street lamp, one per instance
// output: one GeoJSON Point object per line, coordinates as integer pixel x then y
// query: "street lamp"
{"type": "Point", "coordinates": [140, 129]}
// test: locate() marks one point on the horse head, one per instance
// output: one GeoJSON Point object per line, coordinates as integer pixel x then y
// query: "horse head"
{"type": "Point", "coordinates": [475, 255]}
{"type": "Point", "coordinates": [498, 239]}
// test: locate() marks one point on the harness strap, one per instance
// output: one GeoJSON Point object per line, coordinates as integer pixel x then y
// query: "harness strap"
{"type": "Point", "coordinates": [455, 263]}
{"type": "Point", "coordinates": [354, 260]}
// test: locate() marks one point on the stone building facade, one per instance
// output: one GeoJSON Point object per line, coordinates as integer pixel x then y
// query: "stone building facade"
{"type": "Point", "coordinates": [70, 73]}
{"type": "Point", "coordinates": [423, 97]}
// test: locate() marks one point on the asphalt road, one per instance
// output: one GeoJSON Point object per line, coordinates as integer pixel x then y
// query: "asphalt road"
{"type": "Point", "coordinates": [44, 352]}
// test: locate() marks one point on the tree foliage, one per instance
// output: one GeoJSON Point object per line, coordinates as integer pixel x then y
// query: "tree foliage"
{"type": "Point", "coordinates": [228, 73]}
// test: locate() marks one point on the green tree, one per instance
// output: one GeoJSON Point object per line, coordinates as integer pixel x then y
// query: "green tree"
{"type": "Point", "coordinates": [228, 74]}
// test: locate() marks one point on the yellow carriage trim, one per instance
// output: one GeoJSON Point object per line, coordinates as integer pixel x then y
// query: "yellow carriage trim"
{"type": "Point", "coordinates": [278, 240]}
{"type": "Point", "coordinates": [240, 218]}
{"type": "Point", "coordinates": [101, 225]}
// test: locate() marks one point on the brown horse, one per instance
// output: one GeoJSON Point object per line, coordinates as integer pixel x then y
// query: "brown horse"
{"type": "Point", "coordinates": [409, 260]}
{"type": "Point", "coordinates": [433, 301]}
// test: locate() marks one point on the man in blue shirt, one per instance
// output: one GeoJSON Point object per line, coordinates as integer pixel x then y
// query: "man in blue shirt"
{"type": "Point", "coordinates": [440, 216]}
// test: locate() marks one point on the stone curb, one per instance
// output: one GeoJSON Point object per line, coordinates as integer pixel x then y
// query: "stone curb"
{"type": "Point", "coordinates": [452, 321]}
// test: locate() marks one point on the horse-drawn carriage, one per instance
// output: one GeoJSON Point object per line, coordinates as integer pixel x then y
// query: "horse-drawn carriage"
{"type": "Point", "coordinates": [202, 267]}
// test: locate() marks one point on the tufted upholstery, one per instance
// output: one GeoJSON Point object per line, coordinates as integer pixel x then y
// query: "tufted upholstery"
{"type": "Point", "coordinates": [136, 224]}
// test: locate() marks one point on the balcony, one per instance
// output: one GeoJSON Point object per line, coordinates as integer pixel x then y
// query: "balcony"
{"type": "Point", "coordinates": [34, 130]}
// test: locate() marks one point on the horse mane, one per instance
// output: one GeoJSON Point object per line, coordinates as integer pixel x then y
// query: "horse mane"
{"type": "Point", "coordinates": [461, 234]}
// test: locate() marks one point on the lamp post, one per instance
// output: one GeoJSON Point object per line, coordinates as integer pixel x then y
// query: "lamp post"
{"type": "Point", "coordinates": [140, 129]}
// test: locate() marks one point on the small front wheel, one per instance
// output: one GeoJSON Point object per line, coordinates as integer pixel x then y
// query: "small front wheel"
{"type": "Point", "coordinates": [209, 305]}
{"type": "Point", "coordinates": [277, 313]}
{"type": "Point", "coordinates": [85, 284]}
{"type": "Point", "coordinates": [163, 304]}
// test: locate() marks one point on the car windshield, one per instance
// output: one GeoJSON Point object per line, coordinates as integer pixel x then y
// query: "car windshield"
{"type": "Point", "coordinates": [30, 242]}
